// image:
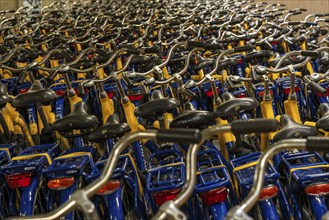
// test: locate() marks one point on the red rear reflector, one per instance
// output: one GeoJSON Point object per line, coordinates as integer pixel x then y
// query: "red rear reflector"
{"type": "Point", "coordinates": [163, 196]}
{"type": "Point", "coordinates": [242, 95]}
{"type": "Point", "coordinates": [262, 93]}
{"type": "Point", "coordinates": [19, 180]}
{"type": "Point", "coordinates": [60, 92]}
{"type": "Point", "coordinates": [22, 91]}
{"type": "Point", "coordinates": [90, 56]}
{"type": "Point", "coordinates": [135, 97]}
{"type": "Point", "coordinates": [214, 196]}
{"type": "Point", "coordinates": [268, 192]}
{"type": "Point", "coordinates": [60, 183]}
{"type": "Point", "coordinates": [109, 187]}
{"type": "Point", "coordinates": [209, 93]}
{"type": "Point", "coordinates": [77, 92]}
{"type": "Point", "coordinates": [110, 95]}
{"type": "Point", "coordinates": [320, 189]}
{"type": "Point", "coordinates": [324, 95]}
{"type": "Point", "coordinates": [287, 90]}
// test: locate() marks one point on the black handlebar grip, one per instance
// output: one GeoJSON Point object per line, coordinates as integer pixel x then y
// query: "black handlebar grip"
{"type": "Point", "coordinates": [321, 32]}
{"type": "Point", "coordinates": [309, 53]}
{"type": "Point", "coordinates": [132, 51]}
{"type": "Point", "coordinates": [293, 22]}
{"type": "Point", "coordinates": [81, 90]}
{"type": "Point", "coordinates": [198, 22]}
{"type": "Point", "coordinates": [326, 20]}
{"type": "Point", "coordinates": [195, 44]}
{"type": "Point", "coordinates": [319, 15]}
{"type": "Point", "coordinates": [302, 9]}
{"type": "Point", "coordinates": [317, 88]}
{"type": "Point", "coordinates": [66, 26]}
{"type": "Point", "coordinates": [297, 13]}
{"type": "Point", "coordinates": [127, 81]}
{"type": "Point", "coordinates": [179, 135]}
{"type": "Point", "coordinates": [317, 143]}
{"type": "Point", "coordinates": [278, 14]}
{"type": "Point", "coordinates": [254, 126]}
{"type": "Point", "coordinates": [135, 22]}
{"type": "Point", "coordinates": [117, 24]}
{"type": "Point", "coordinates": [51, 21]}
{"type": "Point", "coordinates": [30, 23]}
{"type": "Point", "coordinates": [11, 11]}
{"type": "Point", "coordinates": [190, 94]}
{"type": "Point", "coordinates": [21, 77]}
{"type": "Point", "coordinates": [243, 48]}
{"type": "Point", "coordinates": [254, 75]}
{"type": "Point", "coordinates": [161, 21]}
{"type": "Point", "coordinates": [310, 23]}
{"type": "Point", "coordinates": [174, 23]}
{"type": "Point", "coordinates": [52, 75]}
{"type": "Point", "coordinates": [212, 46]}
{"type": "Point", "coordinates": [215, 22]}
{"type": "Point", "coordinates": [153, 49]}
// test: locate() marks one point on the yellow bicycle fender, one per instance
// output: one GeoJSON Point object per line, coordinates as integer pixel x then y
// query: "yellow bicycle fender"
{"type": "Point", "coordinates": [8, 119]}
{"type": "Point", "coordinates": [195, 77]}
{"type": "Point", "coordinates": [101, 73]}
{"type": "Point", "coordinates": [310, 123]}
{"type": "Point", "coordinates": [79, 48]}
{"type": "Point", "coordinates": [247, 71]}
{"type": "Point", "coordinates": [156, 124]}
{"type": "Point", "coordinates": [74, 100]}
{"type": "Point", "coordinates": [309, 68]}
{"type": "Point", "coordinates": [165, 72]}
{"type": "Point", "coordinates": [224, 76]}
{"type": "Point", "coordinates": [40, 124]}
{"type": "Point", "coordinates": [245, 26]}
{"type": "Point", "coordinates": [81, 76]}
{"type": "Point", "coordinates": [168, 119]}
{"type": "Point", "coordinates": [119, 64]}
{"type": "Point", "coordinates": [267, 112]}
{"type": "Point", "coordinates": [224, 138]}
{"type": "Point", "coordinates": [107, 108]}
{"type": "Point", "coordinates": [291, 109]}
{"type": "Point", "coordinates": [201, 74]}
{"type": "Point", "coordinates": [50, 115]}
{"type": "Point", "coordinates": [43, 47]}
{"type": "Point", "coordinates": [17, 129]}
{"type": "Point", "coordinates": [303, 46]}
{"type": "Point", "coordinates": [33, 128]}
{"type": "Point", "coordinates": [19, 121]}
{"type": "Point", "coordinates": [129, 110]}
